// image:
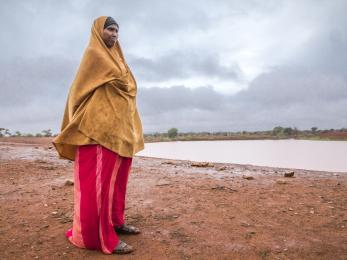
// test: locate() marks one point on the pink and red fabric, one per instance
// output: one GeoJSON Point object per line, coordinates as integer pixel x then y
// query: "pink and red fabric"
{"type": "Point", "coordinates": [101, 177]}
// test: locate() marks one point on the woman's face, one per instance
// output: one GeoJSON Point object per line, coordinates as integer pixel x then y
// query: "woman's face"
{"type": "Point", "coordinates": [110, 35]}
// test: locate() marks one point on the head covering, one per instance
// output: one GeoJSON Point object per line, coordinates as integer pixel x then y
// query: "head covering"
{"type": "Point", "coordinates": [109, 21]}
{"type": "Point", "coordinates": [101, 106]}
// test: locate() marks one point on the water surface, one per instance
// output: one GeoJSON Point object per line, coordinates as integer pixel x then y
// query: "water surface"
{"type": "Point", "coordinates": [300, 154]}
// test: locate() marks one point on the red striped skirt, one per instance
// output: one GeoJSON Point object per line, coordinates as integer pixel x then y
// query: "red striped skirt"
{"type": "Point", "coordinates": [101, 177]}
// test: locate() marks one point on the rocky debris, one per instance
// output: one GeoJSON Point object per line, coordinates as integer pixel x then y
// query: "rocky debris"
{"type": "Point", "coordinates": [289, 174]}
{"type": "Point", "coordinates": [201, 164]}
{"type": "Point", "coordinates": [222, 168]}
{"type": "Point", "coordinates": [69, 183]}
{"type": "Point", "coordinates": [247, 177]}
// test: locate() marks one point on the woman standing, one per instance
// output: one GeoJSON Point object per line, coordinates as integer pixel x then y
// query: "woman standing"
{"type": "Point", "coordinates": [101, 132]}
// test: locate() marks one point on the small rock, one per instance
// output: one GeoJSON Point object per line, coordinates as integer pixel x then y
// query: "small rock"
{"type": "Point", "coordinates": [54, 212]}
{"type": "Point", "coordinates": [290, 209]}
{"type": "Point", "coordinates": [289, 174]}
{"type": "Point", "coordinates": [69, 183]}
{"type": "Point", "coordinates": [201, 164]}
{"type": "Point", "coordinates": [281, 182]}
{"type": "Point", "coordinates": [163, 183]}
{"type": "Point", "coordinates": [222, 168]}
{"type": "Point", "coordinates": [221, 187]}
{"type": "Point", "coordinates": [45, 205]}
{"type": "Point", "coordinates": [248, 177]}
{"type": "Point", "coordinates": [312, 211]}
{"type": "Point", "coordinates": [169, 162]}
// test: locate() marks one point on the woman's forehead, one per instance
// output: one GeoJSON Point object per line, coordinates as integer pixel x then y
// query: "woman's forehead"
{"type": "Point", "coordinates": [113, 26]}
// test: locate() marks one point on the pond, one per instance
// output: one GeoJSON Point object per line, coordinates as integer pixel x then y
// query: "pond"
{"type": "Point", "coordinates": [299, 154]}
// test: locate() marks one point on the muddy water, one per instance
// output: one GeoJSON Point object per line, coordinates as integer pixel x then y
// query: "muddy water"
{"type": "Point", "coordinates": [300, 154]}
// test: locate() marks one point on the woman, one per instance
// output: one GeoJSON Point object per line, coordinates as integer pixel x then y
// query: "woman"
{"type": "Point", "coordinates": [101, 131]}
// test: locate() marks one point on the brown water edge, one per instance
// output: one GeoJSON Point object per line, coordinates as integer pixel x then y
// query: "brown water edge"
{"type": "Point", "coordinates": [184, 211]}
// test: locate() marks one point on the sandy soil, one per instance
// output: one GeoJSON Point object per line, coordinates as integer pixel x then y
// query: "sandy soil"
{"type": "Point", "coordinates": [220, 211]}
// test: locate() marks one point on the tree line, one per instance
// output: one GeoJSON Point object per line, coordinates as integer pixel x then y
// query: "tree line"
{"type": "Point", "coordinates": [173, 132]}
{"type": "Point", "coordinates": [5, 132]}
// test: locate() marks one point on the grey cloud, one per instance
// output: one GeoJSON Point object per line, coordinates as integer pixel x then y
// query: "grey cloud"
{"type": "Point", "coordinates": [248, 110]}
{"type": "Point", "coordinates": [42, 43]}
{"type": "Point", "coordinates": [183, 64]}
{"type": "Point", "coordinates": [24, 81]}
{"type": "Point", "coordinates": [155, 101]}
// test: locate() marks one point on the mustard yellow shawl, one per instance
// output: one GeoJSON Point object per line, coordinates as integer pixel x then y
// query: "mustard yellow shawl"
{"type": "Point", "coordinates": [101, 106]}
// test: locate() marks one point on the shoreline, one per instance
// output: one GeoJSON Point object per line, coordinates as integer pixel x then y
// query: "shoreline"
{"type": "Point", "coordinates": [48, 146]}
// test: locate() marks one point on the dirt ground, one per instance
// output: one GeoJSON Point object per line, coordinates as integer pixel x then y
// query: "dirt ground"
{"type": "Point", "coordinates": [184, 210]}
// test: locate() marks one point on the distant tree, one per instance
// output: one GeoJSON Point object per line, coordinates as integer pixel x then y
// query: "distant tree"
{"type": "Point", "coordinates": [7, 132]}
{"type": "Point", "coordinates": [314, 129]}
{"type": "Point", "coordinates": [277, 130]}
{"type": "Point", "coordinates": [47, 133]}
{"type": "Point", "coordinates": [38, 135]}
{"type": "Point", "coordinates": [2, 132]}
{"type": "Point", "coordinates": [295, 131]}
{"type": "Point", "coordinates": [17, 133]}
{"type": "Point", "coordinates": [288, 131]}
{"type": "Point", "coordinates": [172, 132]}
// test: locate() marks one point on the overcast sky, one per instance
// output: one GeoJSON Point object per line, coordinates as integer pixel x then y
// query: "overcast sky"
{"type": "Point", "coordinates": [200, 65]}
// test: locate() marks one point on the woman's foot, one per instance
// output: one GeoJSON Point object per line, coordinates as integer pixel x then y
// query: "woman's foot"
{"type": "Point", "coordinates": [123, 248]}
{"type": "Point", "coordinates": [127, 229]}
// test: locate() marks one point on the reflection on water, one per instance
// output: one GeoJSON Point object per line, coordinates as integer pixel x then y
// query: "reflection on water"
{"type": "Point", "coordinates": [301, 154]}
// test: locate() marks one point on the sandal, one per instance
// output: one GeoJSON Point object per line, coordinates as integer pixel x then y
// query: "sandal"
{"type": "Point", "coordinates": [127, 229]}
{"type": "Point", "coordinates": [123, 248]}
